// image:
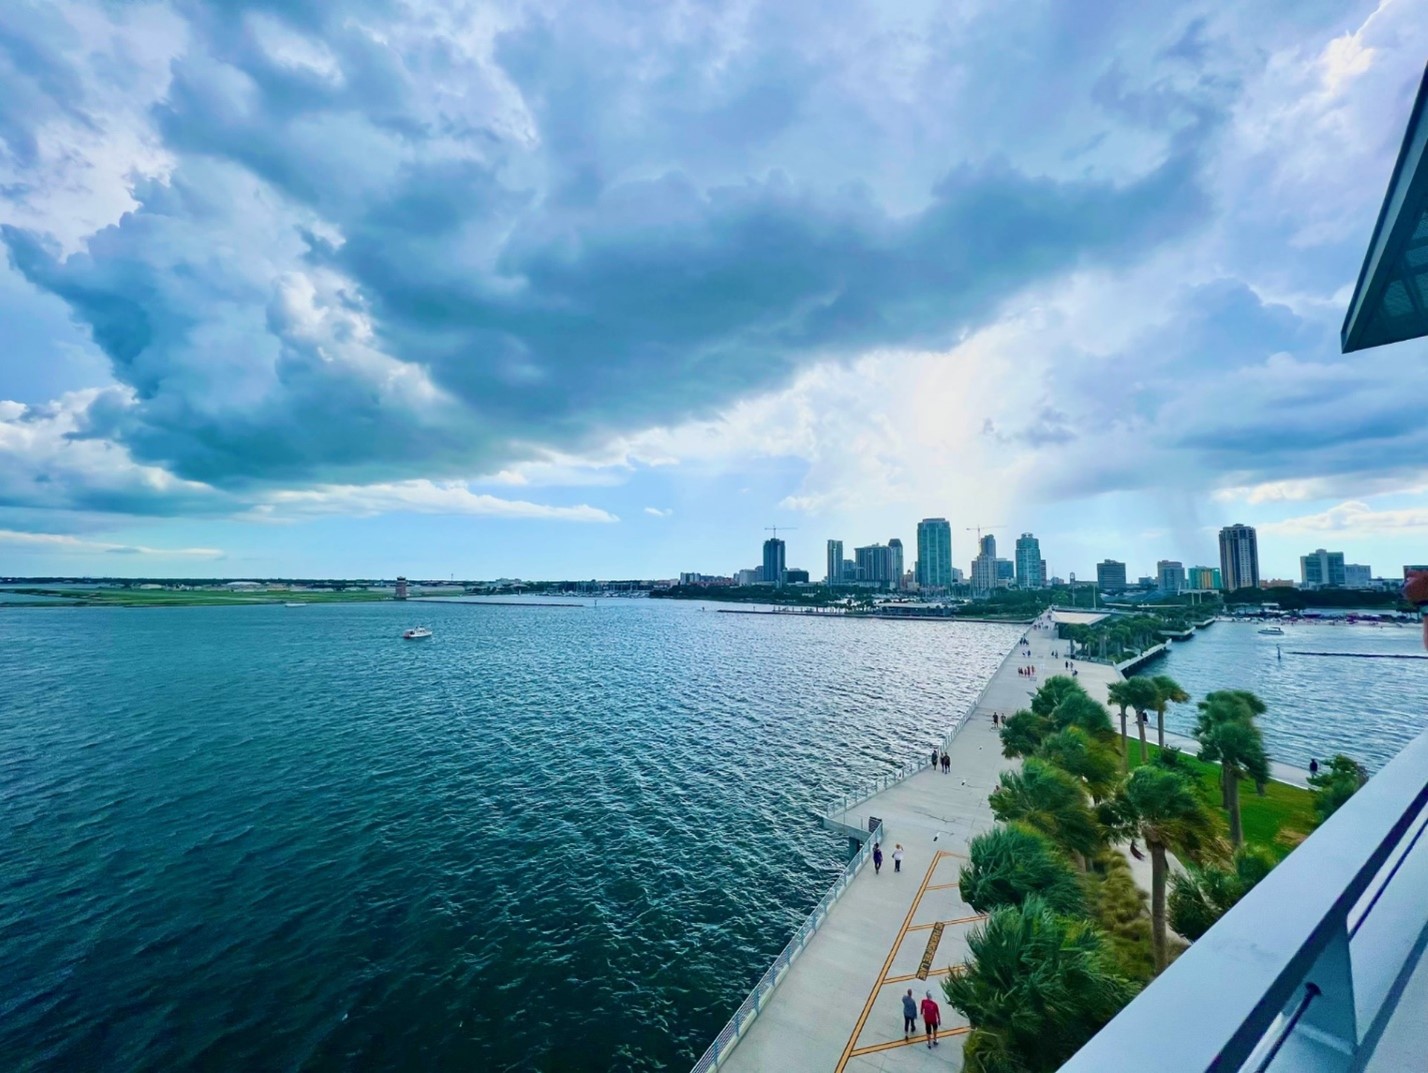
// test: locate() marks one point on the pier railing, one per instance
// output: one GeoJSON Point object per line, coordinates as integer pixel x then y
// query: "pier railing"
{"type": "Point", "coordinates": [908, 768]}
{"type": "Point", "coordinates": [749, 1009]}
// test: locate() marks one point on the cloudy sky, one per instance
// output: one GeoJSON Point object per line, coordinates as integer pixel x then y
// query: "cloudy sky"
{"type": "Point", "coordinates": [539, 289]}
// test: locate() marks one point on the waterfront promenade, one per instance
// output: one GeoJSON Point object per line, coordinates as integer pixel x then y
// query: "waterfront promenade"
{"type": "Point", "coordinates": [839, 1007]}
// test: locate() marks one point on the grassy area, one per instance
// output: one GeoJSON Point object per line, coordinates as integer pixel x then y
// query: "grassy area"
{"type": "Point", "coordinates": [1283, 809]}
{"type": "Point", "coordinates": [193, 597]}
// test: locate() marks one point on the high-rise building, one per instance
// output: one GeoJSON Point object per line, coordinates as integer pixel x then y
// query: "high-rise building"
{"type": "Point", "coordinates": [795, 577]}
{"type": "Point", "coordinates": [875, 565]}
{"type": "Point", "coordinates": [895, 563]}
{"type": "Point", "coordinates": [1322, 569]}
{"type": "Point", "coordinates": [774, 564]}
{"type": "Point", "coordinates": [1110, 575]}
{"type": "Point", "coordinates": [1202, 577]}
{"type": "Point", "coordinates": [1006, 572]}
{"type": "Point", "coordinates": [1357, 576]}
{"type": "Point", "coordinates": [835, 562]}
{"type": "Point", "coordinates": [1239, 557]}
{"type": "Point", "coordinates": [1030, 566]}
{"type": "Point", "coordinates": [984, 566]}
{"type": "Point", "coordinates": [934, 554]}
{"type": "Point", "coordinates": [850, 570]}
{"type": "Point", "coordinates": [1170, 575]}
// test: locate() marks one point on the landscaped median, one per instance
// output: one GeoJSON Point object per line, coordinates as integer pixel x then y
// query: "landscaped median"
{"type": "Point", "coordinates": [1069, 937]}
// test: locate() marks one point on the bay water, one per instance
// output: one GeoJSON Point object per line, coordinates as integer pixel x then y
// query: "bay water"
{"type": "Point", "coordinates": [1330, 688]}
{"type": "Point", "coordinates": [555, 838]}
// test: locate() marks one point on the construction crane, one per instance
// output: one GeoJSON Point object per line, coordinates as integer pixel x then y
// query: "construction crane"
{"type": "Point", "coordinates": [978, 530]}
{"type": "Point", "coordinates": [775, 528]}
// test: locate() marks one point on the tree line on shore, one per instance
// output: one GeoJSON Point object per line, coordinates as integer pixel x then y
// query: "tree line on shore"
{"type": "Point", "coordinates": [1069, 938]}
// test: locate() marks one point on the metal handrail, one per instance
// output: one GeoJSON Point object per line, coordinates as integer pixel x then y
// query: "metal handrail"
{"type": "Point", "coordinates": [1226, 998]}
{"type": "Point", "coordinates": [753, 1003]}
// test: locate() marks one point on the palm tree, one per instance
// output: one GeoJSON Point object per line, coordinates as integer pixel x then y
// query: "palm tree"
{"type": "Point", "coordinates": [1161, 808]}
{"type": "Point", "coordinates": [1011, 863]}
{"type": "Point", "coordinates": [1142, 695]}
{"type": "Point", "coordinates": [1228, 736]}
{"type": "Point", "coordinates": [1036, 987]}
{"type": "Point", "coordinates": [1199, 896]}
{"type": "Point", "coordinates": [1168, 691]}
{"type": "Point", "coordinates": [1118, 695]}
{"type": "Point", "coordinates": [1336, 782]}
{"type": "Point", "coordinates": [1082, 757]}
{"type": "Point", "coordinates": [1023, 732]}
{"type": "Point", "coordinates": [1079, 710]}
{"type": "Point", "coordinates": [1049, 801]}
{"type": "Point", "coordinates": [1055, 690]}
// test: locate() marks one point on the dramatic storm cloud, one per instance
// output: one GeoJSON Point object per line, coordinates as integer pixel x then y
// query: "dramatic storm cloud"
{"type": "Point", "coordinates": [293, 261]}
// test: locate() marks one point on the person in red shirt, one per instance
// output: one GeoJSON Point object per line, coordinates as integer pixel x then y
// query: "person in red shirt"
{"type": "Point", "coordinates": [932, 1018]}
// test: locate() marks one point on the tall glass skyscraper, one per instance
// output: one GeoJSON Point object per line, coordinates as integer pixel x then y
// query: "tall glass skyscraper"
{"type": "Point", "coordinates": [1239, 557]}
{"type": "Point", "coordinates": [895, 562]}
{"type": "Point", "coordinates": [835, 562]}
{"type": "Point", "coordinates": [1030, 573]}
{"type": "Point", "coordinates": [934, 553]}
{"type": "Point", "coordinates": [775, 568]}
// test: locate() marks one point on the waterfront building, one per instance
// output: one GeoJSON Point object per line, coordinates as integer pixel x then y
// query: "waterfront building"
{"type": "Point", "coordinates": [934, 554]}
{"type": "Point", "coordinates": [1322, 569]}
{"type": "Point", "coordinates": [1202, 578]}
{"type": "Point", "coordinates": [984, 566]}
{"type": "Point", "coordinates": [774, 564]}
{"type": "Point", "coordinates": [752, 576]}
{"type": "Point", "coordinates": [850, 571]}
{"type": "Point", "coordinates": [1006, 572]}
{"type": "Point", "coordinates": [958, 577]}
{"type": "Point", "coordinates": [875, 563]}
{"type": "Point", "coordinates": [1357, 576]}
{"type": "Point", "coordinates": [795, 577]}
{"type": "Point", "coordinates": [895, 563]}
{"type": "Point", "coordinates": [401, 593]}
{"type": "Point", "coordinates": [834, 569]}
{"type": "Point", "coordinates": [1030, 566]}
{"type": "Point", "coordinates": [1110, 575]}
{"type": "Point", "coordinates": [1170, 576]}
{"type": "Point", "coordinates": [1239, 557]}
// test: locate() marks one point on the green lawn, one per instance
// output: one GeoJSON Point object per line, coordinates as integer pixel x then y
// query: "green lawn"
{"type": "Point", "coordinates": [1282, 808]}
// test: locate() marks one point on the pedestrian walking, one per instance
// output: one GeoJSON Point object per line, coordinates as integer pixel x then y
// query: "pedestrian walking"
{"type": "Point", "coordinates": [877, 859]}
{"type": "Point", "coordinates": [946, 763]}
{"type": "Point", "coordinates": [909, 1014]}
{"type": "Point", "coordinates": [994, 719]}
{"type": "Point", "coordinates": [932, 1018]}
{"type": "Point", "coordinates": [897, 857]}
{"type": "Point", "coordinates": [934, 756]}
{"type": "Point", "coordinates": [1313, 766]}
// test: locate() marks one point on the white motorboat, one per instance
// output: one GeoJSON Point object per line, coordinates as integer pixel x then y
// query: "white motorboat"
{"type": "Point", "coordinates": [1273, 631]}
{"type": "Point", "coordinates": [294, 603]}
{"type": "Point", "coordinates": [416, 633]}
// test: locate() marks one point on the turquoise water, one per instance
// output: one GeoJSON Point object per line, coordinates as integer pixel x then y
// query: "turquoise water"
{"type": "Point", "coordinates": [1318, 705]}
{"type": "Point", "coordinates": [261, 838]}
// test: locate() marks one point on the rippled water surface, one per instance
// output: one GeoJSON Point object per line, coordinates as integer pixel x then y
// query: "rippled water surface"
{"type": "Point", "coordinates": [264, 838]}
{"type": "Point", "coordinates": [1318, 704]}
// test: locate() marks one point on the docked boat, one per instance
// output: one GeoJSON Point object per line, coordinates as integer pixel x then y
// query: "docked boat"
{"type": "Point", "coordinates": [1273, 631]}
{"type": "Point", "coordinates": [416, 633]}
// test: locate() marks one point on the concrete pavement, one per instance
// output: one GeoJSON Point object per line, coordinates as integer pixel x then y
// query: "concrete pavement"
{"type": "Point", "coordinates": [839, 1007]}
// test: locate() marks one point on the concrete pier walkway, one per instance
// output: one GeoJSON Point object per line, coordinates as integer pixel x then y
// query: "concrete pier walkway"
{"type": "Point", "coordinates": [839, 1008]}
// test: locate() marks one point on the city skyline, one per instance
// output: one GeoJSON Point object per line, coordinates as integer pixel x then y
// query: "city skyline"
{"type": "Point", "coordinates": [521, 314]}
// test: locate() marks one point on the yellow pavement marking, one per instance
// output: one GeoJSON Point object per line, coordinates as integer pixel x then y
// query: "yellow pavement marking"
{"type": "Point", "coordinates": [943, 886]}
{"type": "Point", "coordinates": [873, 1048]}
{"type": "Point", "coordinates": [930, 972]}
{"type": "Point", "coordinates": [948, 923]}
{"type": "Point", "coordinates": [882, 973]}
